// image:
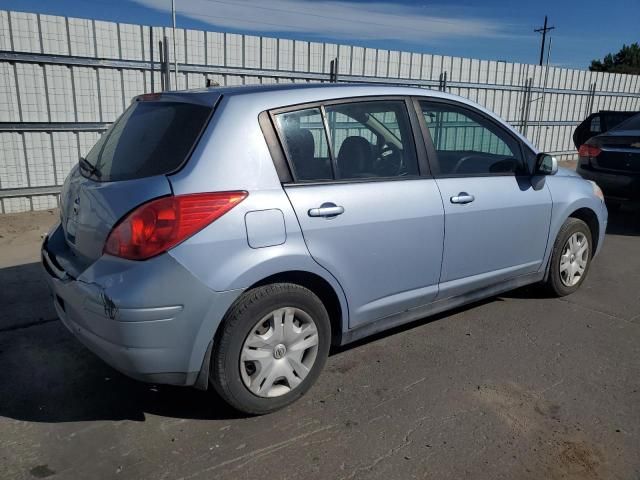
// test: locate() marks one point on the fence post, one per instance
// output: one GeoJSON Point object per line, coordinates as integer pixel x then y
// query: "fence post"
{"type": "Point", "coordinates": [165, 66]}
{"type": "Point", "coordinates": [151, 57]}
{"type": "Point", "coordinates": [442, 82]}
{"type": "Point", "coordinates": [592, 97]}
{"type": "Point", "coordinates": [333, 70]}
{"type": "Point", "coordinates": [526, 105]}
{"type": "Point", "coordinates": [161, 55]}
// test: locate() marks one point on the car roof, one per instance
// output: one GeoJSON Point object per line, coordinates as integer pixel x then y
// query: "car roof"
{"type": "Point", "coordinates": [285, 94]}
{"type": "Point", "coordinates": [322, 90]}
{"type": "Point", "coordinates": [624, 112]}
{"type": "Point", "coordinates": [267, 97]}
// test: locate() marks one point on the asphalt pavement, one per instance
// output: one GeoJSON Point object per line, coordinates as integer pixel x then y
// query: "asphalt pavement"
{"type": "Point", "coordinates": [521, 386]}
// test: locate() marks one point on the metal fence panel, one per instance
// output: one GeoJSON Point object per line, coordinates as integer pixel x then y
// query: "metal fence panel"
{"type": "Point", "coordinates": [62, 80]}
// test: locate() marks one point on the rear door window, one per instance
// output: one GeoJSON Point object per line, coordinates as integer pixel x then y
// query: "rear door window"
{"type": "Point", "coordinates": [150, 138]}
{"type": "Point", "coordinates": [371, 139]}
{"type": "Point", "coordinates": [365, 140]}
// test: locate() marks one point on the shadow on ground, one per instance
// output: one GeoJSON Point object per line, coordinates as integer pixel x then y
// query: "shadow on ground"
{"type": "Point", "coordinates": [23, 297]}
{"type": "Point", "coordinates": [625, 221]}
{"type": "Point", "coordinates": [48, 376]}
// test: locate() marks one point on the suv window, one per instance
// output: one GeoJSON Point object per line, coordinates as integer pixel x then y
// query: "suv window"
{"type": "Point", "coordinates": [149, 138]}
{"type": "Point", "coordinates": [469, 144]}
{"type": "Point", "coordinates": [305, 142]}
{"type": "Point", "coordinates": [370, 139]}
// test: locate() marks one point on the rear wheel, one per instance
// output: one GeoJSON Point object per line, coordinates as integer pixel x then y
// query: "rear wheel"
{"type": "Point", "coordinates": [273, 344]}
{"type": "Point", "coordinates": [571, 257]}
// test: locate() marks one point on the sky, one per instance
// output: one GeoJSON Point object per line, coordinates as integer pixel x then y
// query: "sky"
{"type": "Point", "coordinates": [487, 29]}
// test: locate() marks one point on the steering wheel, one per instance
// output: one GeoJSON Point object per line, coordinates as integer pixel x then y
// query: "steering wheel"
{"type": "Point", "coordinates": [462, 161]}
{"type": "Point", "coordinates": [389, 161]}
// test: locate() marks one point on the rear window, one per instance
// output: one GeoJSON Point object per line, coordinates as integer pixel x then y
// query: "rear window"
{"type": "Point", "coordinates": [631, 124]}
{"type": "Point", "coordinates": [613, 119]}
{"type": "Point", "coordinates": [150, 138]}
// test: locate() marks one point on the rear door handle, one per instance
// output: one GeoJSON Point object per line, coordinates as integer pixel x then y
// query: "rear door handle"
{"type": "Point", "coordinates": [326, 210]}
{"type": "Point", "coordinates": [463, 197]}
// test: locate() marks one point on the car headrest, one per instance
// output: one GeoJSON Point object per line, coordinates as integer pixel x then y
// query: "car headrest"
{"type": "Point", "coordinates": [355, 157]}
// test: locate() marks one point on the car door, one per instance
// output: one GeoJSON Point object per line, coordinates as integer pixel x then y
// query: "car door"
{"type": "Point", "coordinates": [368, 214]}
{"type": "Point", "coordinates": [496, 221]}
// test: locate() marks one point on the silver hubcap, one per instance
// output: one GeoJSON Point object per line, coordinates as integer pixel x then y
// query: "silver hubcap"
{"type": "Point", "coordinates": [575, 256]}
{"type": "Point", "coordinates": [279, 352]}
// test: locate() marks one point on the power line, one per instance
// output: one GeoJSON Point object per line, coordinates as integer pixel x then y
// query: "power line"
{"type": "Point", "coordinates": [544, 31]}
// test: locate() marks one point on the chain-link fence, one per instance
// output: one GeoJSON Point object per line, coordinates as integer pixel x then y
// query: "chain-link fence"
{"type": "Point", "coordinates": [63, 80]}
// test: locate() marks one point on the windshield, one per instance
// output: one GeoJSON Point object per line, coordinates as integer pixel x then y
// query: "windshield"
{"type": "Point", "coordinates": [150, 138]}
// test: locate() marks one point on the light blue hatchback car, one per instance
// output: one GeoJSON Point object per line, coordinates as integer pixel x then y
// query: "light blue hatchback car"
{"type": "Point", "coordinates": [230, 236]}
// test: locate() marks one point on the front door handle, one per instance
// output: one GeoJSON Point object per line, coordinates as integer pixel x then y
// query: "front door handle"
{"type": "Point", "coordinates": [326, 210]}
{"type": "Point", "coordinates": [463, 197]}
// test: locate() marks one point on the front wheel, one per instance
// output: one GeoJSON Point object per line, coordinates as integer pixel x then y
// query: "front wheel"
{"type": "Point", "coordinates": [571, 257]}
{"type": "Point", "coordinates": [271, 348]}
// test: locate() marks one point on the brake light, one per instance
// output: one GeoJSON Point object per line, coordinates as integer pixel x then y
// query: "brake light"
{"type": "Point", "coordinates": [148, 97]}
{"type": "Point", "coordinates": [163, 223]}
{"type": "Point", "coordinates": [589, 151]}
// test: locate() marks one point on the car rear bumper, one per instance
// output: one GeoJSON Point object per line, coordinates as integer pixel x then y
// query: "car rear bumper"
{"type": "Point", "coordinates": [152, 320]}
{"type": "Point", "coordinates": [615, 186]}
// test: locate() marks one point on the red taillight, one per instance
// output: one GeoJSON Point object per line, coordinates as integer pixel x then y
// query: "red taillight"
{"type": "Point", "coordinates": [148, 97]}
{"type": "Point", "coordinates": [161, 224]}
{"type": "Point", "coordinates": [588, 151]}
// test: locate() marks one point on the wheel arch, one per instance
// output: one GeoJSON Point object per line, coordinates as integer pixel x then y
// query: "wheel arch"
{"type": "Point", "coordinates": [322, 288]}
{"type": "Point", "coordinates": [334, 302]}
{"type": "Point", "coordinates": [588, 216]}
{"type": "Point", "coordinates": [581, 209]}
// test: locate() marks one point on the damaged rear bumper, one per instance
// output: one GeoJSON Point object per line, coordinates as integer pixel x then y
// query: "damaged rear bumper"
{"type": "Point", "coordinates": [152, 320]}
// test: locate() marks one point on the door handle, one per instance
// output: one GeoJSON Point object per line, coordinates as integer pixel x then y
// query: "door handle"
{"type": "Point", "coordinates": [463, 197]}
{"type": "Point", "coordinates": [326, 210]}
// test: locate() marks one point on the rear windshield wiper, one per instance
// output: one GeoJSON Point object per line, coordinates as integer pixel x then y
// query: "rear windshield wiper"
{"type": "Point", "coordinates": [90, 167]}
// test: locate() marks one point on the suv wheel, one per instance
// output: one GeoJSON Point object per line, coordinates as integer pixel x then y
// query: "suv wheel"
{"type": "Point", "coordinates": [571, 257]}
{"type": "Point", "coordinates": [271, 348]}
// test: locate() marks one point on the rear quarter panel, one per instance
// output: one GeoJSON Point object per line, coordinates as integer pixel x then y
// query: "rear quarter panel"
{"type": "Point", "coordinates": [233, 155]}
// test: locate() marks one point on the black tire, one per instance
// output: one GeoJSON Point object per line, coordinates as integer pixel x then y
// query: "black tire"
{"type": "Point", "coordinates": [253, 305]}
{"type": "Point", "coordinates": [554, 281]}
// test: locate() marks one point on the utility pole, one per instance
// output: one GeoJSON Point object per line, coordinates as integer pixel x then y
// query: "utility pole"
{"type": "Point", "coordinates": [175, 51]}
{"type": "Point", "coordinates": [544, 31]}
{"type": "Point", "coordinates": [544, 87]}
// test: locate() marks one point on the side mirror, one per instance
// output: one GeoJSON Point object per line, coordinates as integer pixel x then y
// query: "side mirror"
{"type": "Point", "coordinates": [546, 164]}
